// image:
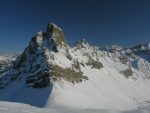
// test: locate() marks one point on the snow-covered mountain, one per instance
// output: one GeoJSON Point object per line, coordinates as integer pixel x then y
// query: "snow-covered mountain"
{"type": "Point", "coordinates": [50, 74]}
{"type": "Point", "coordinates": [142, 47]}
{"type": "Point", "coordinates": [6, 62]}
{"type": "Point", "coordinates": [142, 51]}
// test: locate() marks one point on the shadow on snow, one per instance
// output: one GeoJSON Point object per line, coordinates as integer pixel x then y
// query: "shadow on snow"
{"type": "Point", "coordinates": [23, 94]}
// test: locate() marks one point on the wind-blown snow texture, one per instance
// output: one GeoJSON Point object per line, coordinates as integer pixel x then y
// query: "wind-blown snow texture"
{"type": "Point", "coordinates": [51, 75]}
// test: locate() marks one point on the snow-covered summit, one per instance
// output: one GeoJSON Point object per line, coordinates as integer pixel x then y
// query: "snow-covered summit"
{"type": "Point", "coordinates": [147, 46]}
{"type": "Point", "coordinates": [112, 48]}
{"type": "Point", "coordinates": [52, 39]}
{"type": "Point", "coordinates": [141, 47]}
{"type": "Point", "coordinates": [6, 62]}
{"type": "Point", "coordinates": [142, 51]}
{"type": "Point", "coordinates": [81, 44]}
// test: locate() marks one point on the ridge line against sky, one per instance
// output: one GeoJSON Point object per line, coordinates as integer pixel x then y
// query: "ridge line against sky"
{"type": "Point", "coordinates": [101, 22]}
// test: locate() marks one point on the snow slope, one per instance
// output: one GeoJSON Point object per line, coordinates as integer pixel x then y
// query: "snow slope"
{"type": "Point", "coordinates": [8, 107]}
{"type": "Point", "coordinates": [106, 88]}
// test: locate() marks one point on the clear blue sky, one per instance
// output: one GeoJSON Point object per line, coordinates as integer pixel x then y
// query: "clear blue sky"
{"type": "Point", "coordinates": [101, 22]}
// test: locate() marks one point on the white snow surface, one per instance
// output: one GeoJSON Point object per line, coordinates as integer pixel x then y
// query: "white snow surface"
{"type": "Point", "coordinates": [9, 107]}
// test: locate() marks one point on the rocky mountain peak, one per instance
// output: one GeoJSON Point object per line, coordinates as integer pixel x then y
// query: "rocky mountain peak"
{"type": "Point", "coordinates": [41, 62]}
{"type": "Point", "coordinates": [138, 47]}
{"type": "Point", "coordinates": [82, 44]}
{"type": "Point", "coordinates": [51, 27]}
{"type": "Point", "coordinates": [57, 34]}
{"type": "Point", "coordinates": [51, 39]}
{"type": "Point", "coordinates": [147, 46]}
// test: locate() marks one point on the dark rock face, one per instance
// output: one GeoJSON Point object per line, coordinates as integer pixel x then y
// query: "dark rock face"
{"type": "Point", "coordinates": [50, 29]}
{"type": "Point", "coordinates": [57, 34]}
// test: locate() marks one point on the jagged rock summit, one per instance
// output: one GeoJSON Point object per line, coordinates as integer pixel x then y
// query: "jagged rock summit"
{"type": "Point", "coordinates": [141, 47]}
{"type": "Point", "coordinates": [52, 39]}
{"type": "Point", "coordinates": [39, 65]}
{"type": "Point", "coordinates": [56, 33]}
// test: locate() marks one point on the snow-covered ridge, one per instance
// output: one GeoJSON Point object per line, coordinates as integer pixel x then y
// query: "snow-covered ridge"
{"type": "Point", "coordinates": [141, 47]}
{"type": "Point", "coordinates": [142, 51]}
{"type": "Point", "coordinates": [6, 62]}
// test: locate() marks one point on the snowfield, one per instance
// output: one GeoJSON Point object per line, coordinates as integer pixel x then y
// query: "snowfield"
{"type": "Point", "coordinates": [8, 107]}
{"type": "Point", "coordinates": [106, 91]}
